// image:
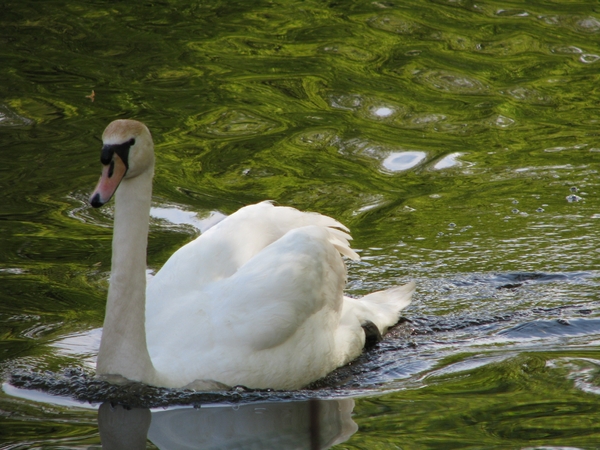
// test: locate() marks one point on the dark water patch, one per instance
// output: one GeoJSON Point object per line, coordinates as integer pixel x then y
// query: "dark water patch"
{"type": "Point", "coordinates": [553, 328]}
{"type": "Point", "coordinates": [510, 286]}
{"type": "Point", "coordinates": [432, 325]}
{"type": "Point", "coordinates": [435, 324]}
{"type": "Point", "coordinates": [537, 277]}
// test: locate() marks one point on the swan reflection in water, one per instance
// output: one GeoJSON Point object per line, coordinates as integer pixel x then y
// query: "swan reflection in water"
{"type": "Point", "coordinates": [312, 424]}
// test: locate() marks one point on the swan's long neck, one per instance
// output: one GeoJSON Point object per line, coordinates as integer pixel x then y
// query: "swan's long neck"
{"type": "Point", "coordinates": [123, 350]}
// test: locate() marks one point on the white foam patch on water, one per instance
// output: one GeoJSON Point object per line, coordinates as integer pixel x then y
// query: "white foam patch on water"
{"type": "Point", "coordinates": [383, 111]}
{"type": "Point", "coordinates": [43, 397]}
{"type": "Point", "coordinates": [448, 161]}
{"type": "Point", "coordinates": [400, 161]}
{"type": "Point", "coordinates": [83, 345]}
{"type": "Point", "coordinates": [179, 216]}
{"type": "Point", "coordinates": [13, 271]}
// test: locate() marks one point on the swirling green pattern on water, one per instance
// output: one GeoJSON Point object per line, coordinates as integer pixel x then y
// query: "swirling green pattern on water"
{"type": "Point", "coordinates": [458, 139]}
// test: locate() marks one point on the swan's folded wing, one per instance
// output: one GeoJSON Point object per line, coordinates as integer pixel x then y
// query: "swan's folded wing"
{"type": "Point", "coordinates": [290, 288]}
{"type": "Point", "coordinates": [228, 246]}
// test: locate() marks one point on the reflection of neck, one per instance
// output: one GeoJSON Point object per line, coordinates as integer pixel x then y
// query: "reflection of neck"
{"type": "Point", "coordinates": [123, 350]}
{"type": "Point", "coordinates": [123, 429]}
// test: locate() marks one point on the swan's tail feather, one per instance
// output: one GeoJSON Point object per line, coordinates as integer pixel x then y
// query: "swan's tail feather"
{"type": "Point", "coordinates": [326, 221]}
{"type": "Point", "coordinates": [340, 241]}
{"type": "Point", "coordinates": [344, 248]}
{"type": "Point", "coordinates": [400, 296]}
{"type": "Point", "coordinates": [385, 306]}
{"type": "Point", "coordinates": [339, 234]}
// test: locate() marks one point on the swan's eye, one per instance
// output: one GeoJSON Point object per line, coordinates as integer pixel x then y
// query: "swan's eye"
{"type": "Point", "coordinates": [122, 150]}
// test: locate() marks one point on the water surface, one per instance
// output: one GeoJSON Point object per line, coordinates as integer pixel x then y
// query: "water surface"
{"type": "Point", "coordinates": [457, 139]}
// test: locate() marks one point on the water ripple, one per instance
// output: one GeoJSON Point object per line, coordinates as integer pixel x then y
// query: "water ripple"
{"type": "Point", "coordinates": [528, 95]}
{"type": "Point", "coordinates": [9, 118]}
{"type": "Point", "coordinates": [349, 52]}
{"type": "Point", "coordinates": [394, 24]}
{"type": "Point", "coordinates": [454, 82]}
{"type": "Point", "coordinates": [236, 123]}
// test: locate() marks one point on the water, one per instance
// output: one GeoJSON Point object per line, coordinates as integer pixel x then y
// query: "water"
{"type": "Point", "coordinates": [457, 140]}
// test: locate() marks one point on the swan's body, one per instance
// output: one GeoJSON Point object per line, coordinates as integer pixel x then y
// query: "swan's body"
{"type": "Point", "coordinates": [257, 300]}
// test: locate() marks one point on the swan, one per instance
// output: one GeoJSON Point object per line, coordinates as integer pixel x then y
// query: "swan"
{"type": "Point", "coordinates": [257, 300]}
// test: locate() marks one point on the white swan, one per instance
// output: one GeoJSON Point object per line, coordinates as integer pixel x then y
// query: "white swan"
{"type": "Point", "coordinates": [257, 300]}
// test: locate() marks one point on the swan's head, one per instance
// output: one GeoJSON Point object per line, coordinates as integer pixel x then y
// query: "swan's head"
{"type": "Point", "coordinates": [127, 152]}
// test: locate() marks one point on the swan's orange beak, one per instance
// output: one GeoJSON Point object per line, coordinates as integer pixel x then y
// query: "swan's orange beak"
{"type": "Point", "coordinates": [112, 174]}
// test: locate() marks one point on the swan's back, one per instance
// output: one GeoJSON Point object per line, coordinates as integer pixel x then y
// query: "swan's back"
{"type": "Point", "coordinates": [223, 249]}
{"type": "Point", "coordinates": [258, 300]}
